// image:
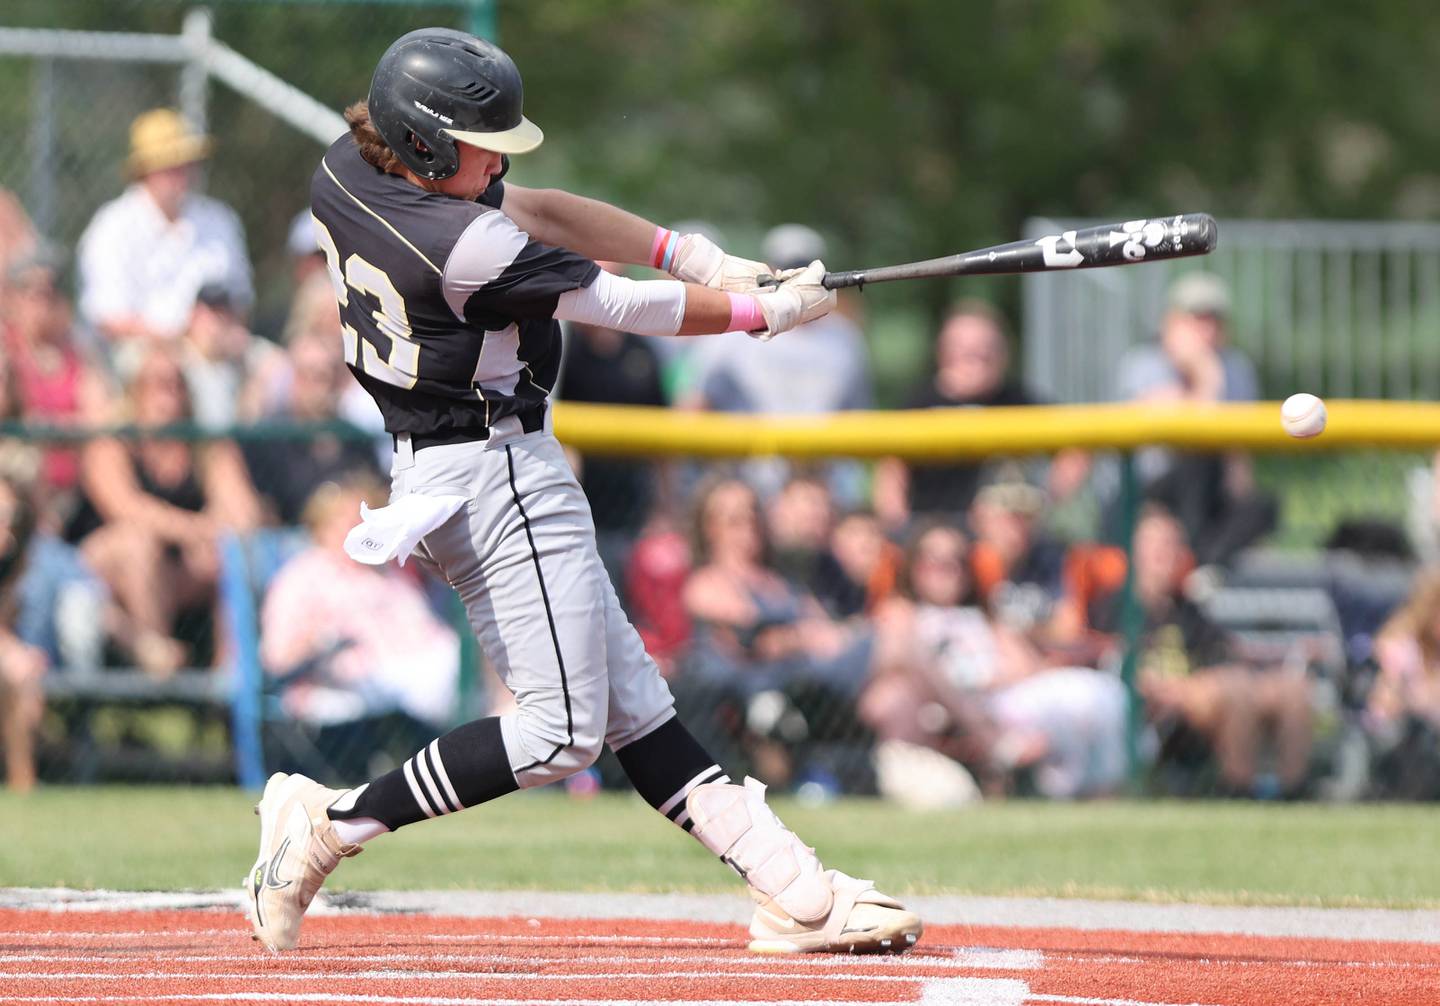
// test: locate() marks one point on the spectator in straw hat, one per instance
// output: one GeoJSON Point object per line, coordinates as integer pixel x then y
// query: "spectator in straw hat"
{"type": "Point", "coordinates": [146, 254]}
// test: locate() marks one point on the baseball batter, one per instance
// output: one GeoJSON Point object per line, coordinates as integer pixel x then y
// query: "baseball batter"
{"type": "Point", "coordinates": [450, 284]}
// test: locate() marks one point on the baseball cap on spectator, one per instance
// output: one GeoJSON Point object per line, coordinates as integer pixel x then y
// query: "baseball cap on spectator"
{"type": "Point", "coordinates": [1200, 293]}
{"type": "Point", "coordinates": [301, 239]}
{"type": "Point", "coordinates": [160, 139]}
{"type": "Point", "coordinates": [1009, 491]}
{"type": "Point", "coordinates": [216, 296]}
{"type": "Point", "coordinates": [791, 246]}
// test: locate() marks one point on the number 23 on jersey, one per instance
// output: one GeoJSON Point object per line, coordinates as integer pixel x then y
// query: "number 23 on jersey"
{"type": "Point", "coordinates": [400, 365]}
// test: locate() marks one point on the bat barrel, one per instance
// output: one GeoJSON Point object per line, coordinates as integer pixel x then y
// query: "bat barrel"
{"type": "Point", "coordinates": [1127, 243]}
{"type": "Point", "coordinates": [1203, 234]}
{"type": "Point", "coordinates": [1178, 236]}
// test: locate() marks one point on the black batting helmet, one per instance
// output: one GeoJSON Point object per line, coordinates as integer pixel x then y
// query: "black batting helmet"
{"type": "Point", "coordinates": [436, 86]}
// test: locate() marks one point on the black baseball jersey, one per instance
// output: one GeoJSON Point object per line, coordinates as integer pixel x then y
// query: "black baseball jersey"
{"type": "Point", "coordinates": [446, 307]}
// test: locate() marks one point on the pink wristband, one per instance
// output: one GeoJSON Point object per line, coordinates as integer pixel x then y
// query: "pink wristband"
{"type": "Point", "coordinates": [662, 249]}
{"type": "Point", "coordinates": [745, 313]}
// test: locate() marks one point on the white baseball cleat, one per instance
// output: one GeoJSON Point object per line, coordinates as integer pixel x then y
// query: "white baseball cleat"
{"type": "Point", "coordinates": [298, 850]}
{"type": "Point", "coordinates": [861, 921]}
{"type": "Point", "coordinates": [800, 906]}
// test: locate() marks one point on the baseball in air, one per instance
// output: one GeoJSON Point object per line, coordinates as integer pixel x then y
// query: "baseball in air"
{"type": "Point", "coordinates": [1303, 416]}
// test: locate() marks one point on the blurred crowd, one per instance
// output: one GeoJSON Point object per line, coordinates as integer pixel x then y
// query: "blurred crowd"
{"type": "Point", "coordinates": [112, 556]}
{"type": "Point", "coordinates": [921, 631]}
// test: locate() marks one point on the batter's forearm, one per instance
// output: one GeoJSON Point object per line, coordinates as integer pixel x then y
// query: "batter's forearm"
{"type": "Point", "coordinates": [594, 229]}
{"type": "Point", "coordinates": [659, 307]}
{"type": "Point", "coordinates": [710, 311]}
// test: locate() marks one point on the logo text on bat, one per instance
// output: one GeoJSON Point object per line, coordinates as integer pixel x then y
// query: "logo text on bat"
{"type": "Point", "coordinates": [1054, 257]}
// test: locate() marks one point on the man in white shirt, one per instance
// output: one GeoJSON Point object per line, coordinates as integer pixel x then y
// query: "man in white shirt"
{"type": "Point", "coordinates": [146, 254]}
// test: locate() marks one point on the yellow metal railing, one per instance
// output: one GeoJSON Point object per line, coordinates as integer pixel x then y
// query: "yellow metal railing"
{"type": "Point", "coordinates": [948, 433]}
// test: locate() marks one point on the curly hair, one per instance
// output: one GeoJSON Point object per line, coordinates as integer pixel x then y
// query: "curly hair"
{"type": "Point", "coordinates": [372, 145]}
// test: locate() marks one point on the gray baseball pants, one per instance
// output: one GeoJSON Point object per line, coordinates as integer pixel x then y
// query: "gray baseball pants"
{"type": "Point", "coordinates": [522, 556]}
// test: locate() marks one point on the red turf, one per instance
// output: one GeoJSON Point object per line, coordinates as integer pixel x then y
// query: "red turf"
{"type": "Point", "coordinates": [206, 956]}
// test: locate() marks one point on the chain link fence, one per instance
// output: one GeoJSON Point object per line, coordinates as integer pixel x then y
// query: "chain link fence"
{"type": "Point", "coordinates": [273, 669]}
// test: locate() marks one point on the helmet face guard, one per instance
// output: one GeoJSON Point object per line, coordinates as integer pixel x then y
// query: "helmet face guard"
{"type": "Point", "coordinates": [437, 87]}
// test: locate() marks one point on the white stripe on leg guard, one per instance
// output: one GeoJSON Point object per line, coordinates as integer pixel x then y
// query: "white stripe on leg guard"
{"type": "Point", "coordinates": [734, 823]}
{"type": "Point", "coordinates": [427, 780]}
{"type": "Point", "coordinates": [684, 791]}
{"type": "Point", "coordinates": [444, 776]}
{"type": "Point", "coordinates": [415, 789]}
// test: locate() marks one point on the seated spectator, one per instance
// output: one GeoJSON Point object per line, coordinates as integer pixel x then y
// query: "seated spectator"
{"type": "Point", "coordinates": [757, 636]}
{"type": "Point", "coordinates": [1403, 710]}
{"type": "Point", "coordinates": [1092, 572]}
{"type": "Point", "coordinates": [288, 470]}
{"type": "Point", "coordinates": [56, 384]}
{"type": "Point", "coordinates": [1018, 566]}
{"type": "Point", "coordinates": [799, 520]}
{"type": "Point", "coordinates": [225, 365]}
{"type": "Point", "coordinates": [359, 643]}
{"type": "Point", "coordinates": [59, 602]}
{"type": "Point", "coordinates": [972, 363]}
{"type": "Point", "coordinates": [845, 562]}
{"type": "Point", "coordinates": [866, 566]}
{"type": "Point", "coordinates": [1194, 677]}
{"type": "Point", "coordinates": [153, 510]}
{"type": "Point", "coordinates": [146, 254]}
{"type": "Point", "coordinates": [1214, 495]}
{"type": "Point", "coordinates": [22, 666]}
{"type": "Point", "coordinates": [949, 677]}
{"type": "Point", "coordinates": [654, 588]}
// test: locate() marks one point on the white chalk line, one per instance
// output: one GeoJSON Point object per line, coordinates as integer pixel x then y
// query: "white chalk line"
{"type": "Point", "coordinates": [388, 974]}
{"type": "Point", "coordinates": [936, 992]}
{"type": "Point", "coordinates": [1085, 1001]}
{"type": "Point", "coordinates": [142, 934]}
{"type": "Point", "coordinates": [965, 959]}
{"type": "Point", "coordinates": [670, 941]}
{"type": "Point", "coordinates": [943, 992]}
{"type": "Point", "coordinates": [118, 934]}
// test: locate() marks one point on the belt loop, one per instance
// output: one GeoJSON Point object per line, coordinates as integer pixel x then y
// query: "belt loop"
{"type": "Point", "coordinates": [404, 452]}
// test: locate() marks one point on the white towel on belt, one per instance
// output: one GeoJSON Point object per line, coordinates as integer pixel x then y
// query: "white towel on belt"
{"type": "Point", "coordinates": [393, 531]}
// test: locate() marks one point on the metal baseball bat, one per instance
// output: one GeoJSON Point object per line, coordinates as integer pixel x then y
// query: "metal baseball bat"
{"type": "Point", "coordinates": [1126, 243]}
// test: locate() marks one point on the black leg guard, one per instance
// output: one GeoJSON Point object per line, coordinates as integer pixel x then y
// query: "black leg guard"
{"type": "Point", "coordinates": [665, 765]}
{"type": "Point", "coordinates": [465, 767]}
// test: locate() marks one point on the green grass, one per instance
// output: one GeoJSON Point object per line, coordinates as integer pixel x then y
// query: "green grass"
{"type": "Point", "coordinates": [156, 839]}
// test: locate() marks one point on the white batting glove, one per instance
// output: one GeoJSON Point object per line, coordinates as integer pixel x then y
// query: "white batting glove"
{"type": "Point", "coordinates": [700, 260]}
{"type": "Point", "coordinates": [799, 299]}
